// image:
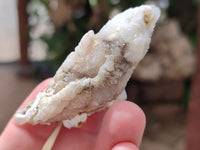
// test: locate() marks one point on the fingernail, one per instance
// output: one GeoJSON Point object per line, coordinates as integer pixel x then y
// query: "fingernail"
{"type": "Point", "coordinates": [120, 147]}
{"type": "Point", "coordinates": [125, 146]}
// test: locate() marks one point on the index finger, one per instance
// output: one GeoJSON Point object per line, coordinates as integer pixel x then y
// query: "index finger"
{"type": "Point", "coordinates": [26, 136]}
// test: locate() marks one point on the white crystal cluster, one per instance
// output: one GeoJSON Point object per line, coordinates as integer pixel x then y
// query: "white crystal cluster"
{"type": "Point", "coordinates": [94, 76]}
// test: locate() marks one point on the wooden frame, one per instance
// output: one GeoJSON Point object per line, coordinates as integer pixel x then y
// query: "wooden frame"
{"type": "Point", "coordinates": [23, 31]}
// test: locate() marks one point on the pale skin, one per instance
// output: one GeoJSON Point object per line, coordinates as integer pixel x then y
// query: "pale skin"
{"type": "Point", "coordinates": [121, 127]}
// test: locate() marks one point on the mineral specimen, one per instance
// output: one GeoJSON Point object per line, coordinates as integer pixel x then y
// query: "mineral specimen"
{"type": "Point", "coordinates": [94, 76]}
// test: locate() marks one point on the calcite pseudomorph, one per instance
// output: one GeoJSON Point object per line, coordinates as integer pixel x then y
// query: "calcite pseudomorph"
{"type": "Point", "coordinates": [94, 76]}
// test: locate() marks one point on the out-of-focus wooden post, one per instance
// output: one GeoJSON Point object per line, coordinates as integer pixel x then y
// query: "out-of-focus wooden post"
{"type": "Point", "coordinates": [193, 120]}
{"type": "Point", "coordinates": [23, 31]}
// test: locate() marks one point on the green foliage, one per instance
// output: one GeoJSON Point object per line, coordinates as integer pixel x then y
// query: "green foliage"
{"type": "Point", "coordinates": [93, 2]}
{"type": "Point", "coordinates": [186, 96]}
{"type": "Point", "coordinates": [45, 3]}
{"type": "Point", "coordinates": [60, 44]}
{"type": "Point", "coordinates": [196, 2]}
{"type": "Point", "coordinates": [131, 3]}
{"type": "Point", "coordinates": [193, 40]}
{"type": "Point", "coordinates": [56, 42]}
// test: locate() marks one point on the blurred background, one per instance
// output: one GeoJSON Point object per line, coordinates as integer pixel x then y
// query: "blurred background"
{"type": "Point", "coordinates": [37, 35]}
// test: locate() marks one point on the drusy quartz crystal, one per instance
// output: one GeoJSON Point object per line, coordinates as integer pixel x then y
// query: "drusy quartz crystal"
{"type": "Point", "coordinates": [94, 76]}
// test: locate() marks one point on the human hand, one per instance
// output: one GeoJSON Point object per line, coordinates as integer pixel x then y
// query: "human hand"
{"type": "Point", "coordinates": [119, 128]}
